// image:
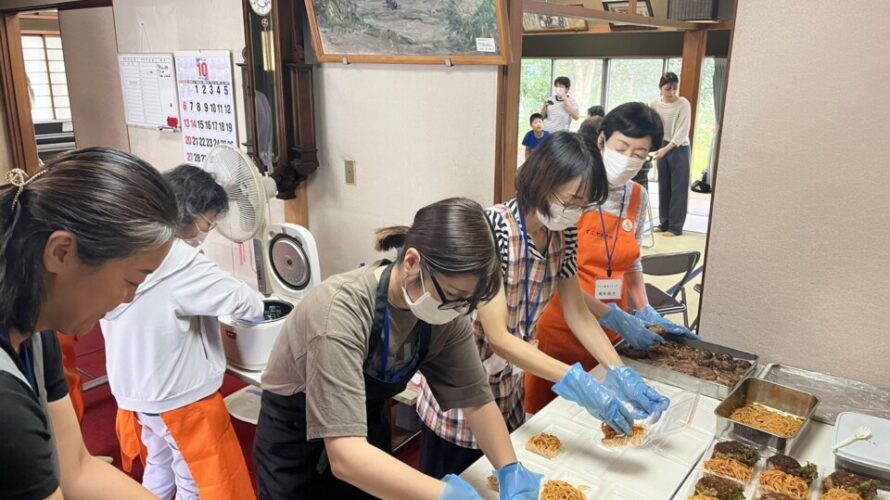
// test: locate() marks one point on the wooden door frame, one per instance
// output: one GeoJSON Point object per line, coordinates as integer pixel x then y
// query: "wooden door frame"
{"type": "Point", "coordinates": [13, 79]}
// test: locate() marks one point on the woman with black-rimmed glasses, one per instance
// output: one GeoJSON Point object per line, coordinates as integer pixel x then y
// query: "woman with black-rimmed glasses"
{"type": "Point", "coordinates": [357, 339]}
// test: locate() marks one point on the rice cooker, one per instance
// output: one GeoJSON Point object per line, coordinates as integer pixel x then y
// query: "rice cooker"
{"type": "Point", "coordinates": [287, 268]}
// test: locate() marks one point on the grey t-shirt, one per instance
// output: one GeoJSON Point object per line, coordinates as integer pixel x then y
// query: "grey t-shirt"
{"type": "Point", "coordinates": [558, 117]}
{"type": "Point", "coordinates": [323, 346]}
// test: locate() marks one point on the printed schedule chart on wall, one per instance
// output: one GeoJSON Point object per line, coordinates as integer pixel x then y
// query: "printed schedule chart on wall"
{"type": "Point", "coordinates": [206, 101]}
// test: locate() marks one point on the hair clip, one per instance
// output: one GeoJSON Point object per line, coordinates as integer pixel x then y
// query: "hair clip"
{"type": "Point", "coordinates": [19, 178]}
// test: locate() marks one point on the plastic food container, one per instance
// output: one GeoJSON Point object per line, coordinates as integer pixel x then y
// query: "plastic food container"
{"type": "Point", "coordinates": [869, 458]}
{"type": "Point", "coordinates": [676, 418]}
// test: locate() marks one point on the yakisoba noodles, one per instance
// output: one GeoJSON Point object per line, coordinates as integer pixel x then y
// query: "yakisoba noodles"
{"type": "Point", "coordinates": [561, 490]}
{"type": "Point", "coordinates": [760, 417]}
{"type": "Point", "coordinates": [493, 483]}
{"type": "Point", "coordinates": [839, 494]}
{"type": "Point", "coordinates": [780, 482]}
{"type": "Point", "coordinates": [546, 445]}
{"type": "Point", "coordinates": [702, 497]}
{"type": "Point", "coordinates": [730, 468]}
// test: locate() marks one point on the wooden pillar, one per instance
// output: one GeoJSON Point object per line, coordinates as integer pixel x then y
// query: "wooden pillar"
{"type": "Point", "coordinates": [694, 44]}
{"type": "Point", "coordinates": [22, 139]}
{"type": "Point", "coordinates": [507, 124]}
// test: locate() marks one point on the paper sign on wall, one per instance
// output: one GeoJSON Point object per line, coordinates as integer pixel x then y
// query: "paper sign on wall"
{"type": "Point", "coordinates": [149, 89]}
{"type": "Point", "coordinates": [206, 101]}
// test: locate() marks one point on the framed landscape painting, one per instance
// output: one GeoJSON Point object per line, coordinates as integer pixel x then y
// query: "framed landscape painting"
{"type": "Point", "coordinates": [644, 8]}
{"type": "Point", "coordinates": [409, 31]}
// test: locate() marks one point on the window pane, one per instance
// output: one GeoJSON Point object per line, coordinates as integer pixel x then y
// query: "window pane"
{"type": "Point", "coordinates": [586, 76]}
{"type": "Point", "coordinates": [675, 65]}
{"type": "Point", "coordinates": [40, 90]}
{"type": "Point", "coordinates": [705, 121]}
{"type": "Point", "coordinates": [54, 54]}
{"type": "Point", "coordinates": [62, 101]}
{"type": "Point", "coordinates": [57, 66]}
{"type": "Point", "coordinates": [633, 80]}
{"type": "Point", "coordinates": [60, 90]}
{"type": "Point", "coordinates": [63, 113]}
{"type": "Point", "coordinates": [38, 78]}
{"type": "Point", "coordinates": [35, 67]}
{"type": "Point", "coordinates": [31, 42]}
{"type": "Point", "coordinates": [53, 42]}
{"type": "Point", "coordinates": [535, 83]}
{"type": "Point", "coordinates": [42, 102]}
{"type": "Point", "coordinates": [41, 115]}
{"type": "Point", "coordinates": [33, 54]}
{"type": "Point", "coordinates": [59, 78]}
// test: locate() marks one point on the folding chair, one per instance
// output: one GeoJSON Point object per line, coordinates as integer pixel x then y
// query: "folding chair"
{"type": "Point", "coordinates": [669, 264]}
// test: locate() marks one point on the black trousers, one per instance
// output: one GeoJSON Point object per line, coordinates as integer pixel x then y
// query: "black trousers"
{"type": "Point", "coordinates": [673, 189]}
{"type": "Point", "coordinates": [439, 457]}
{"type": "Point", "coordinates": [290, 467]}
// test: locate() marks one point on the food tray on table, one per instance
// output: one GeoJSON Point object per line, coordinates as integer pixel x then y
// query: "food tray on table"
{"type": "Point", "coordinates": [836, 394]}
{"type": "Point", "coordinates": [650, 368]}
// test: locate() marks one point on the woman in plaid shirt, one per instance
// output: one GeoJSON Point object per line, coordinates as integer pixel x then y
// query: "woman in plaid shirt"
{"type": "Point", "coordinates": [537, 244]}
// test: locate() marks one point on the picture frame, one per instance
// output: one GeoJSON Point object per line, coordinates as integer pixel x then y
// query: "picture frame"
{"type": "Point", "coordinates": [540, 23]}
{"type": "Point", "coordinates": [644, 8]}
{"type": "Point", "coordinates": [409, 31]}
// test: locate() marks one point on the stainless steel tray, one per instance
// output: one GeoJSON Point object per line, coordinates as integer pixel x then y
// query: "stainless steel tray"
{"type": "Point", "coordinates": [704, 387]}
{"type": "Point", "coordinates": [835, 394]}
{"type": "Point", "coordinates": [773, 395]}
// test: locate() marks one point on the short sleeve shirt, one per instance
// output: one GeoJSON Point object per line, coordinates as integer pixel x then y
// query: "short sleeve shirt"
{"type": "Point", "coordinates": [558, 117]}
{"type": "Point", "coordinates": [531, 141]}
{"type": "Point", "coordinates": [25, 446]}
{"type": "Point", "coordinates": [323, 346]}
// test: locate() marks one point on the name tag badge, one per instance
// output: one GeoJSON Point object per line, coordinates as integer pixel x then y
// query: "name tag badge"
{"type": "Point", "coordinates": [609, 289]}
{"type": "Point", "coordinates": [627, 225]}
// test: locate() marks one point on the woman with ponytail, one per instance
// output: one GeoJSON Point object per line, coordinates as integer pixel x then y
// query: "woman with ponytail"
{"type": "Point", "coordinates": [76, 239]}
{"type": "Point", "coordinates": [357, 339]}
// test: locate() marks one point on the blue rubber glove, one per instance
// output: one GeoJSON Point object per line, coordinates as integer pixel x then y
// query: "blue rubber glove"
{"type": "Point", "coordinates": [517, 482]}
{"type": "Point", "coordinates": [632, 329]}
{"type": "Point", "coordinates": [629, 386]}
{"type": "Point", "coordinates": [458, 489]}
{"type": "Point", "coordinates": [651, 317]}
{"type": "Point", "coordinates": [580, 387]}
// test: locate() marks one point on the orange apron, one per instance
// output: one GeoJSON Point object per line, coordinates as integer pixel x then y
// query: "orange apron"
{"type": "Point", "coordinates": [554, 336]}
{"type": "Point", "coordinates": [72, 376]}
{"type": "Point", "coordinates": [207, 441]}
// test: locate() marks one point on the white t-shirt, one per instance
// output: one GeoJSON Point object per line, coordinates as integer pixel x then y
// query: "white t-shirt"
{"type": "Point", "coordinates": [558, 117]}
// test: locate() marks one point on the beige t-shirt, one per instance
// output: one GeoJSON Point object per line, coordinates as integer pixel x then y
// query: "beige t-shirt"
{"type": "Point", "coordinates": [322, 348]}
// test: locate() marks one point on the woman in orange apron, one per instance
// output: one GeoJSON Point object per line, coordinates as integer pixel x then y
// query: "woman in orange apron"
{"type": "Point", "coordinates": [609, 237]}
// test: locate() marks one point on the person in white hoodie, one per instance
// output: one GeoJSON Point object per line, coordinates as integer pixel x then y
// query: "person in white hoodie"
{"type": "Point", "coordinates": [165, 359]}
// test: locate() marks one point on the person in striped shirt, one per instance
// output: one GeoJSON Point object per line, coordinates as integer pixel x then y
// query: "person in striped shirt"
{"type": "Point", "coordinates": [537, 244]}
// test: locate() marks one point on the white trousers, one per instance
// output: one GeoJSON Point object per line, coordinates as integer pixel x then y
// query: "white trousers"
{"type": "Point", "coordinates": [166, 473]}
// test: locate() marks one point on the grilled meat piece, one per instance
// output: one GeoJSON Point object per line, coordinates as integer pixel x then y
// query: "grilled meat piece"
{"type": "Point", "coordinates": [734, 450]}
{"type": "Point", "coordinates": [742, 364]}
{"type": "Point", "coordinates": [701, 355]}
{"type": "Point", "coordinates": [866, 488]}
{"type": "Point", "coordinates": [634, 353]}
{"type": "Point", "coordinates": [720, 488]}
{"type": "Point", "coordinates": [685, 366]}
{"type": "Point", "coordinates": [724, 357]}
{"type": "Point", "coordinates": [658, 330]}
{"type": "Point", "coordinates": [789, 465]}
{"type": "Point", "coordinates": [705, 373]}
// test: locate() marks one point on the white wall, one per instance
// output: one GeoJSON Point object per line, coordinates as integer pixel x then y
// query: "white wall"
{"type": "Point", "coordinates": [417, 133]}
{"type": "Point", "coordinates": [798, 267]}
{"type": "Point", "coordinates": [144, 26]}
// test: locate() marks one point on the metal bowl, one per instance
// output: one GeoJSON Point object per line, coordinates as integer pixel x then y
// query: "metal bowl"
{"type": "Point", "coordinates": [785, 399]}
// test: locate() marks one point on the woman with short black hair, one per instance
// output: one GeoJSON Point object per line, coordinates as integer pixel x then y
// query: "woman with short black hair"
{"type": "Point", "coordinates": [357, 339]}
{"type": "Point", "coordinates": [165, 359]}
{"type": "Point", "coordinates": [76, 239]}
{"type": "Point", "coordinates": [537, 249]}
{"type": "Point", "coordinates": [609, 238]}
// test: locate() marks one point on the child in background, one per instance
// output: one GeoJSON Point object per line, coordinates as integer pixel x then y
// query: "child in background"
{"type": "Point", "coordinates": [536, 135]}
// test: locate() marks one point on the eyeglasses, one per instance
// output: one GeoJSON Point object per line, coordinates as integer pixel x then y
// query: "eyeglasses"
{"type": "Point", "coordinates": [447, 305]}
{"type": "Point", "coordinates": [566, 206]}
{"type": "Point", "coordinates": [211, 225]}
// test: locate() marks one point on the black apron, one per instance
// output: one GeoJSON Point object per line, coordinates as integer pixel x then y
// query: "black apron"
{"type": "Point", "coordinates": [288, 466]}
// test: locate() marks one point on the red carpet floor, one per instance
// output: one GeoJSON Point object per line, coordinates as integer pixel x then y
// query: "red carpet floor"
{"type": "Point", "coordinates": [98, 422]}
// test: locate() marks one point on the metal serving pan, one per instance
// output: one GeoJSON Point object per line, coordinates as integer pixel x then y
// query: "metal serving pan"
{"type": "Point", "coordinates": [689, 382]}
{"type": "Point", "coordinates": [785, 399]}
{"type": "Point", "coordinates": [836, 394]}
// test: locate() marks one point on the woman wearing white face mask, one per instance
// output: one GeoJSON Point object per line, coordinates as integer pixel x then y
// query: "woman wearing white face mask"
{"type": "Point", "coordinates": [537, 243]}
{"type": "Point", "coordinates": [166, 362]}
{"type": "Point", "coordinates": [609, 251]}
{"type": "Point", "coordinates": [357, 339]}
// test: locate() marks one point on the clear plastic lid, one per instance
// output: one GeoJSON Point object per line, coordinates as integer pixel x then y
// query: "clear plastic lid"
{"type": "Point", "coordinates": [873, 452]}
{"type": "Point", "coordinates": [676, 418]}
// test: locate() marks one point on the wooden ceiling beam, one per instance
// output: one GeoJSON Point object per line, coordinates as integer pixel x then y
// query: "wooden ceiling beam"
{"type": "Point", "coordinates": [552, 9]}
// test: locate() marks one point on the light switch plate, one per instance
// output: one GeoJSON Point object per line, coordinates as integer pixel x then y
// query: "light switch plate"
{"type": "Point", "coordinates": [350, 172]}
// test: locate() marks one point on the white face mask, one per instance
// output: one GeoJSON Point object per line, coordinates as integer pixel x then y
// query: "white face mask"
{"type": "Point", "coordinates": [197, 240]}
{"type": "Point", "coordinates": [427, 309]}
{"type": "Point", "coordinates": [560, 91]}
{"type": "Point", "coordinates": [562, 219]}
{"type": "Point", "coordinates": [620, 168]}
